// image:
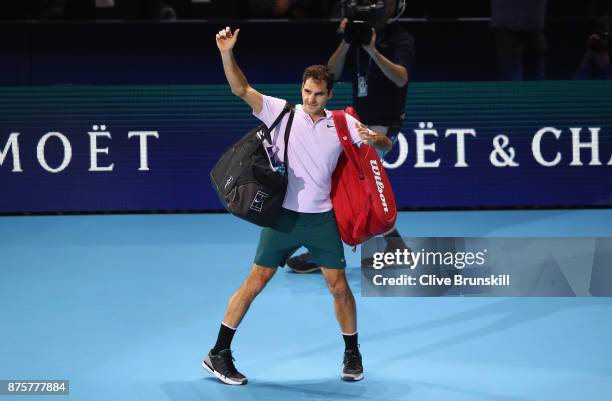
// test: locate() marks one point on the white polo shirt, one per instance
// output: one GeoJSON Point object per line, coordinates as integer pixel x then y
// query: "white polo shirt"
{"type": "Point", "coordinates": [314, 149]}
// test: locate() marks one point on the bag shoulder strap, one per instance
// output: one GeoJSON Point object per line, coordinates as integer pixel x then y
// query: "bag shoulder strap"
{"type": "Point", "coordinates": [287, 132]}
{"type": "Point", "coordinates": [345, 140]}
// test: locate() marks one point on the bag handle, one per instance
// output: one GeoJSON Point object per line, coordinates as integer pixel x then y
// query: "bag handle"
{"type": "Point", "coordinates": [288, 106]}
{"type": "Point", "coordinates": [344, 135]}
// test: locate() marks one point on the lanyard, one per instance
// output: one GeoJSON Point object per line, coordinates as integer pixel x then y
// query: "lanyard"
{"type": "Point", "coordinates": [357, 63]}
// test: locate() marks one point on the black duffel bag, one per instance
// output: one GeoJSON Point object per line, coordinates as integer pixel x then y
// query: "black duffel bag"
{"type": "Point", "coordinates": [246, 180]}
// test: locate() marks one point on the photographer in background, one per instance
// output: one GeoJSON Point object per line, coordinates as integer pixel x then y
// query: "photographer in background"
{"type": "Point", "coordinates": [106, 9]}
{"type": "Point", "coordinates": [379, 54]}
{"type": "Point", "coordinates": [290, 8]}
{"type": "Point", "coordinates": [596, 61]}
{"type": "Point", "coordinates": [521, 45]}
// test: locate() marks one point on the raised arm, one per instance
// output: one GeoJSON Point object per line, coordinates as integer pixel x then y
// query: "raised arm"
{"type": "Point", "coordinates": [336, 61]}
{"type": "Point", "coordinates": [226, 39]}
{"type": "Point", "coordinates": [396, 73]}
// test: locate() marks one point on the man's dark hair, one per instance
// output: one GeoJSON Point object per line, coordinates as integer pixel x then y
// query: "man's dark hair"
{"type": "Point", "coordinates": [319, 73]}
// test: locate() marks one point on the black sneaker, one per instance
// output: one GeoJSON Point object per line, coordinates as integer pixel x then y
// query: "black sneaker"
{"type": "Point", "coordinates": [303, 263]}
{"type": "Point", "coordinates": [353, 368]}
{"type": "Point", "coordinates": [222, 367]}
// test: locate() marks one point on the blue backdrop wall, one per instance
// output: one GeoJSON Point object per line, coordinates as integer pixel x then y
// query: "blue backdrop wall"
{"type": "Point", "coordinates": [150, 148]}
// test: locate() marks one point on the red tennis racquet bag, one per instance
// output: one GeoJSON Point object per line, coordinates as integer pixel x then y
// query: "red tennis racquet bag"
{"type": "Point", "coordinates": [361, 193]}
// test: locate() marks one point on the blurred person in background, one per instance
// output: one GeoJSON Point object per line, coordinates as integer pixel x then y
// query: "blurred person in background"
{"type": "Point", "coordinates": [106, 9]}
{"type": "Point", "coordinates": [518, 26]}
{"type": "Point", "coordinates": [595, 63]}
{"type": "Point", "coordinates": [212, 9]}
{"type": "Point", "coordinates": [291, 8]}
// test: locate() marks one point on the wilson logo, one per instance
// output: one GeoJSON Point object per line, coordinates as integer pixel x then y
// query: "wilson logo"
{"type": "Point", "coordinates": [379, 184]}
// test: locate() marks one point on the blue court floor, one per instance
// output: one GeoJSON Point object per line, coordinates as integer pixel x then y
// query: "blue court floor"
{"type": "Point", "coordinates": [126, 306]}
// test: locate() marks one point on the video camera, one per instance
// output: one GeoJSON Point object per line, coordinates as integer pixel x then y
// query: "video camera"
{"type": "Point", "coordinates": [362, 14]}
{"type": "Point", "coordinates": [363, 10]}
